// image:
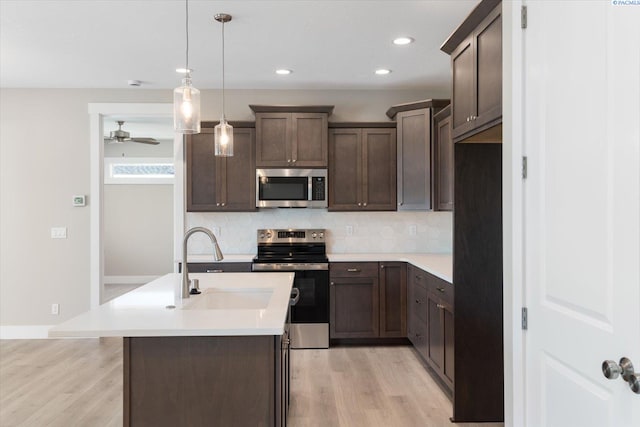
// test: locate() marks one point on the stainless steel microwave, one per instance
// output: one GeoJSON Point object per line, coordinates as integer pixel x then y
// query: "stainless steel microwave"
{"type": "Point", "coordinates": [291, 188]}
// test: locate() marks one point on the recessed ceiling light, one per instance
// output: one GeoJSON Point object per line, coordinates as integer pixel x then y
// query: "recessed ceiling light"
{"type": "Point", "coordinates": [183, 70]}
{"type": "Point", "coordinates": [382, 71]}
{"type": "Point", "coordinates": [283, 71]}
{"type": "Point", "coordinates": [403, 40]}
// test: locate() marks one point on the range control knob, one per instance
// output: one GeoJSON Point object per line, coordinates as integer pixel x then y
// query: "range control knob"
{"type": "Point", "coordinates": [268, 235]}
{"type": "Point", "coordinates": [262, 235]}
{"type": "Point", "coordinates": [321, 235]}
{"type": "Point", "coordinates": [314, 235]}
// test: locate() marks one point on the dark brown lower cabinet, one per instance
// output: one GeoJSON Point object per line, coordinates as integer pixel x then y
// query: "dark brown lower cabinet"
{"type": "Point", "coordinates": [205, 381]}
{"type": "Point", "coordinates": [430, 317]}
{"type": "Point", "coordinates": [368, 300]}
{"type": "Point", "coordinates": [393, 299]}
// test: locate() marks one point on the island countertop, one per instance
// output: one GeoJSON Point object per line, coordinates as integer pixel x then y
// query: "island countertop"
{"type": "Point", "coordinates": [230, 304]}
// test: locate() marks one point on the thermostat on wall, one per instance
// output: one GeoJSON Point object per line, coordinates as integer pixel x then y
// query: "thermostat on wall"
{"type": "Point", "coordinates": [79, 200]}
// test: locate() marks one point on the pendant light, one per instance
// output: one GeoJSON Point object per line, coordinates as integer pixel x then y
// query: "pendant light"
{"type": "Point", "coordinates": [224, 131]}
{"type": "Point", "coordinates": [186, 98]}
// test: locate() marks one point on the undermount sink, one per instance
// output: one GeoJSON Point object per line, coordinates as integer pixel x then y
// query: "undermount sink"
{"type": "Point", "coordinates": [229, 299]}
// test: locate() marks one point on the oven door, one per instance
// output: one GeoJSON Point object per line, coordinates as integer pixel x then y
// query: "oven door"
{"type": "Point", "coordinates": [310, 316]}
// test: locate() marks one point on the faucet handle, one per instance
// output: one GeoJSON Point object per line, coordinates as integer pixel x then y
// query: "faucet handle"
{"type": "Point", "coordinates": [195, 287]}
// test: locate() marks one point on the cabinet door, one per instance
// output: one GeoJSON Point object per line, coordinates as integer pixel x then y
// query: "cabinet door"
{"type": "Point", "coordinates": [393, 299]}
{"type": "Point", "coordinates": [203, 170]}
{"type": "Point", "coordinates": [345, 169]}
{"type": "Point", "coordinates": [488, 61]}
{"type": "Point", "coordinates": [354, 307]}
{"type": "Point", "coordinates": [443, 163]}
{"type": "Point", "coordinates": [448, 344]}
{"type": "Point", "coordinates": [273, 140]}
{"type": "Point", "coordinates": [238, 175]}
{"type": "Point", "coordinates": [414, 159]}
{"type": "Point", "coordinates": [462, 101]}
{"type": "Point", "coordinates": [436, 333]}
{"type": "Point", "coordinates": [379, 174]}
{"type": "Point", "coordinates": [309, 139]}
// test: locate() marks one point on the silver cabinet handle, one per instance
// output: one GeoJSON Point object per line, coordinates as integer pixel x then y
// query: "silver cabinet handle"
{"type": "Point", "coordinates": [332, 283]}
{"type": "Point", "coordinates": [468, 119]}
{"type": "Point", "coordinates": [382, 266]}
{"type": "Point", "coordinates": [417, 301]}
{"type": "Point", "coordinates": [288, 160]}
{"type": "Point", "coordinates": [294, 160]}
{"type": "Point", "coordinates": [217, 270]}
{"type": "Point", "coordinates": [440, 289]}
{"type": "Point", "coordinates": [613, 370]}
{"type": "Point", "coordinates": [364, 204]}
{"type": "Point", "coordinates": [296, 297]}
{"type": "Point", "coordinates": [217, 204]}
{"type": "Point", "coordinates": [222, 204]}
{"type": "Point", "coordinates": [353, 270]}
{"type": "Point", "coordinates": [359, 204]}
{"type": "Point", "coordinates": [439, 305]}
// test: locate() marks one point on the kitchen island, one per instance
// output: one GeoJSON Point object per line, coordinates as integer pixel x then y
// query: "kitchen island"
{"type": "Point", "coordinates": [218, 358]}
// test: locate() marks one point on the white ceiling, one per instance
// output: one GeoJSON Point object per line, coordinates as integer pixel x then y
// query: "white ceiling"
{"type": "Point", "coordinates": [330, 44]}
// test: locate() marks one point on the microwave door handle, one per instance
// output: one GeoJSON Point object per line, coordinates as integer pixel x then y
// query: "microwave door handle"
{"type": "Point", "coordinates": [310, 188]}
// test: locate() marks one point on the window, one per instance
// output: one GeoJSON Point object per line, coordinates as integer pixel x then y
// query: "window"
{"type": "Point", "coordinates": [138, 170]}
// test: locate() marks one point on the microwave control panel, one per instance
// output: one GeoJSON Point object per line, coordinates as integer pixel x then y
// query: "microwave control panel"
{"type": "Point", "coordinates": [318, 185]}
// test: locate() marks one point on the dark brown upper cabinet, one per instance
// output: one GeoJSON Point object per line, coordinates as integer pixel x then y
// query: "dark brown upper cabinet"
{"type": "Point", "coordinates": [221, 183]}
{"type": "Point", "coordinates": [291, 136]}
{"type": "Point", "coordinates": [415, 135]}
{"type": "Point", "coordinates": [442, 161]}
{"type": "Point", "coordinates": [476, 63]}
{"type": "Point", "coordinates": [362, 168]}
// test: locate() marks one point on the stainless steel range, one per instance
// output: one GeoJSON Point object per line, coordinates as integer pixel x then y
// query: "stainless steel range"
{"type": "Point", "coordinates": [303, 252]}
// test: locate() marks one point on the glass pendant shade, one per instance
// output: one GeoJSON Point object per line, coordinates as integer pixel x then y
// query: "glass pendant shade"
{"type": "Point", "coordinates": [186, 108]}
{"type": "Point", "coordinates": [223, 139]}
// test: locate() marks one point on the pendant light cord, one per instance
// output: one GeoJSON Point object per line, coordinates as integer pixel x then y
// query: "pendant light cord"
{"type": "Point", "coordinates": [186, 27]}
{"type": "Point", "coordinates": [223, 71]}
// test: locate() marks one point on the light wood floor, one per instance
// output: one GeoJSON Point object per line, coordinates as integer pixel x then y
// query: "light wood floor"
{"type": "Point", "coordinates": [78, 382]}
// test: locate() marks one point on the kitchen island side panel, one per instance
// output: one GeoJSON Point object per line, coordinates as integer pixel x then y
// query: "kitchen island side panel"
{"type": "Point", "coordinates": [199, 381]}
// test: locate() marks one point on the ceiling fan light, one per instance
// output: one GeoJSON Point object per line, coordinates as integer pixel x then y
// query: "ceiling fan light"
{"type": "Point", "coordinates": [186, 108]}
{"type": "Point", "coordinates": [223, 134]}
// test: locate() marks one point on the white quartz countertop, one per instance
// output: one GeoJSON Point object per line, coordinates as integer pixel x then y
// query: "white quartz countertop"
{"type": "Point", "coordinates": [230, 304]}
{"type": "Point", "coordinates": [440, 265]}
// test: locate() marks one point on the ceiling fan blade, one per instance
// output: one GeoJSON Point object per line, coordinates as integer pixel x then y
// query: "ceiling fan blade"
{"type": "Point", "coordinates": [152, 141]}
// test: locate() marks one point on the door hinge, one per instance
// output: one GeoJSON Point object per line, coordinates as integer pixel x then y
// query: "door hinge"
{"type": "Point", "coordinates": [524, 167]}
{"type": "Point", "coordinates": [523, 17]}
{"type": "Point", "coordinates": [525, 318]}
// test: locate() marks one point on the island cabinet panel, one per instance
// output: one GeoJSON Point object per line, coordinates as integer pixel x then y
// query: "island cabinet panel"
{"type": "Point", "coordinates": [291, 139]}
{"type": "Point", "coordinates": [220, 183]}
{"type": "Point", "coordinates": [203, 381]}
{"type": "Point", "coordinates": [368, 300]}
{"type": "Point", "coordinates": [393, 299]}
{"type": "Point", "coordinates": [362, 169]}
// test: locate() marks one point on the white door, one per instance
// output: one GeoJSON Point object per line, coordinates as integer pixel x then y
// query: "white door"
{"type": "Point", "coordinates": [582, 210]}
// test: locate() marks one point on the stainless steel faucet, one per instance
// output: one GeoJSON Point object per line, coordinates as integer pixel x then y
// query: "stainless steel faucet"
{"type": "Point", "coordinates": [217, 255]}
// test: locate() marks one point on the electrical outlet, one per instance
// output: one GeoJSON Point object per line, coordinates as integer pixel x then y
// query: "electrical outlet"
{"type": "Point", "coordinates": [349, 230]}
{"type": "Point", "coordinates": [55, 309]}
{"type": "Point", "coordinates": [58, 232]}
{"type": "Point", "coordinates": [413, 230]}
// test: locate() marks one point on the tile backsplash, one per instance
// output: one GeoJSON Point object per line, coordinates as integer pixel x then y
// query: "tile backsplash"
{"type": "Point", "coordinates": [347, 232]}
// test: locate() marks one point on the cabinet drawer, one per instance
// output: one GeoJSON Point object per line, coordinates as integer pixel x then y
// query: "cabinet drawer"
{"type": "Point", "coordinates": [417, 304]}
{"type": "Point", "coordinates": [440, 288]}
{"type": "Point", "coordinates": [417, 334]}
{"type": "Point", "coordinates": [417, 276]}
{"type": "Point", "coordinates": [354, 269]}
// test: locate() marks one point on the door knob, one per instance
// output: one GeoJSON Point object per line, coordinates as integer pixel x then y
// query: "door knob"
{"type": "Point", "coordinates": [613, 370]}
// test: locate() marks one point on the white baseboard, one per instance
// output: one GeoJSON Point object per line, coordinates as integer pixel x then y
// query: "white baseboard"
{"type": "Point", "coordinates": [24, 332]}
{"type": "Point", "coordinates": [128, 280]}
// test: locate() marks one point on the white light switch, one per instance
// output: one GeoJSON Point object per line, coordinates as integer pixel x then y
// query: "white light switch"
{"type": "Point", "coordinates": [58, 232]}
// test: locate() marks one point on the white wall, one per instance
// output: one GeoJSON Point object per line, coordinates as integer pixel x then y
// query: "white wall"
{"type": "Point", "coordinates": [41, 170]}
{"type": "Point", "coordinates": [138, 230]}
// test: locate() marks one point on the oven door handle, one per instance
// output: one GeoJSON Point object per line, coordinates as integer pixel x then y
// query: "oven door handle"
{"type": "Point", "coordinates": [293, 301]}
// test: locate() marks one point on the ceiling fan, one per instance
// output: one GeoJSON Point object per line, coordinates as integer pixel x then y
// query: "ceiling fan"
{"type": "Point", "coordinates": [119, 136]}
